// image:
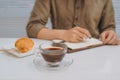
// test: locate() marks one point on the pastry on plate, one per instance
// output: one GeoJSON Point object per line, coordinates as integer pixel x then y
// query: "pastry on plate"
{"type": "Point", "coordinates": [24, 44]}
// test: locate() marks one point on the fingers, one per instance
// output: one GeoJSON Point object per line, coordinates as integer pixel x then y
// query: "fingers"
{"type": "Point", "coordinates": [109, 37]}
{"type": "Point", "coordinates": [74, 38]}
{"type": "Point", "coordinates": [77, 37]}
{"type": "Point", "coordinates": [118, 41]}
{"type": "Point", "coordinates": [80, 35]}
{"type": "Point", "coordinates": [85, 33]}
{"type": "Point", "coordinates": [103, 36]}
{"type": "Point", "coordinates": [112, 41]}
{"type": "Point", "coordinates": [72, 35]}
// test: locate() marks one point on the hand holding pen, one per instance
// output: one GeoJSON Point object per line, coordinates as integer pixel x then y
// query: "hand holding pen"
{"type": "Point", "coordinates": [76, 34]}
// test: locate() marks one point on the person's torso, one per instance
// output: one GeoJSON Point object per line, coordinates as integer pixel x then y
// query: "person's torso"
{"type": "Point", "coordinates": [84, 13]}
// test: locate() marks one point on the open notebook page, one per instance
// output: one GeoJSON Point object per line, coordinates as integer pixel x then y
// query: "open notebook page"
{"type": "Point", "coordinates": [84, 44]}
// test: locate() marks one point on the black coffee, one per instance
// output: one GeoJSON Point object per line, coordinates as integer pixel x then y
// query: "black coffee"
{"type": "Point", "coordinates": [56, 55]}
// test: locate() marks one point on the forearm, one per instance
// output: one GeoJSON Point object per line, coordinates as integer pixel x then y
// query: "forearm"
{"type": "Point", "coordinates": [50, 34]}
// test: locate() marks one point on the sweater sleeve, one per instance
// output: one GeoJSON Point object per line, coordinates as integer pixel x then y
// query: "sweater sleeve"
{"type": "Point", "coordinates": [107, 21]}
{"type": "Point", "coordinates": [39, 17]}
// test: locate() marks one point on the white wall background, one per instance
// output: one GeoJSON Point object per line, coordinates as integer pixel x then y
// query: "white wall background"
{"type": "Point", "coordinates": [14, 16]}
{"type": "Point", "coordinates": [116, 4]}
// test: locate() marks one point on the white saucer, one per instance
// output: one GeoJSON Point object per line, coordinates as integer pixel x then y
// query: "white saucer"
{"type": "Point", "coordinates": [40, 64]}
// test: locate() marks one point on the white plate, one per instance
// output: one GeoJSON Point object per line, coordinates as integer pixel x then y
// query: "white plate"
{"type": "Point", "coordinates": [12, 50]}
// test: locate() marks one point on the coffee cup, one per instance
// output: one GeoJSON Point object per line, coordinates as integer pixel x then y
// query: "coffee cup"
{"type": "Point", "coordinates": [53, 53]}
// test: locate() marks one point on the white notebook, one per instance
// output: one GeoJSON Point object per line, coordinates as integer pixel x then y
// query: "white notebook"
{"type": "Point", "coordinates": [86, 43]}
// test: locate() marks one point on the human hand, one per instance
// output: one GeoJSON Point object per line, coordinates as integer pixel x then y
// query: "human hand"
{"type": "Point", "coordinates": [76, 34]}
{"type": "Point", "coordinates": [110, 38]}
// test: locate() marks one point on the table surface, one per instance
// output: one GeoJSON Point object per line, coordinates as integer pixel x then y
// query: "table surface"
{"type": "Point", "coordinates": [101, 63]}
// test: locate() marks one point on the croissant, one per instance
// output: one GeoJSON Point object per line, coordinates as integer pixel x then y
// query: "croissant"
{"type": "Point", "coordinates": [24, 44]}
